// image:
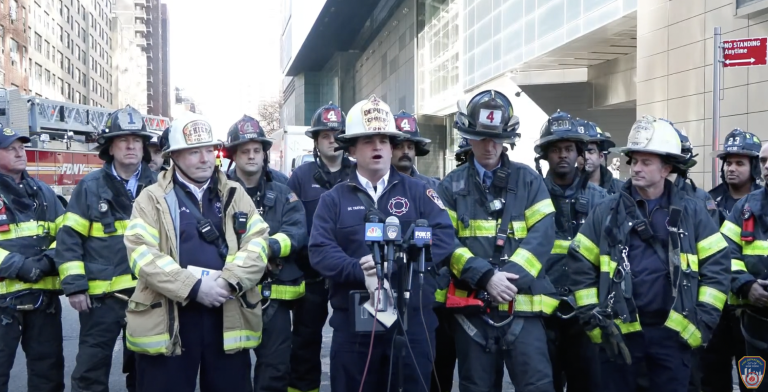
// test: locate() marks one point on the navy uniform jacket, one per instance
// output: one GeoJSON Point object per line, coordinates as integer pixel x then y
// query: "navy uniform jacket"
{"type": "Point", "coordinates": [337, 242]}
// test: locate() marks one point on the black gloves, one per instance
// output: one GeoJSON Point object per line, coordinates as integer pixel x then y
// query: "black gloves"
{"type": "Point", "coordinates": [35, 268]}
{"type": "Point", "coordinates": [274, 249]}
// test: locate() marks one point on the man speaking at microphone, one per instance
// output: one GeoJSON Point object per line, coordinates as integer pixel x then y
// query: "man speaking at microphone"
{"type": "Point", "coordinates": [338, 250]}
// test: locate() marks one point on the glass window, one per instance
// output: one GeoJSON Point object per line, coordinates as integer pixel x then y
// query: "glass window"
{"type": "Point", "coordinates": [594, 5]}
{"type": "Point", "coordinates": [550, 19]}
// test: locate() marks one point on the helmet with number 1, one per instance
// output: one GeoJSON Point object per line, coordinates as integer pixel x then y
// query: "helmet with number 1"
{"type": "Point", "coordinates": [123, 122]}
{"type": "Point", "coordinates": [406, 123]}
{"type": "Point", "coordinates": [245, 130]}
{"type": "Point", "coordinates": [190, 130]}
{"type": "Point", "coordinates": [488, 114]}
{"type": "Point", "coordinates": [559, 127]}
{"type": "Point", "coordinates": [327, 118]}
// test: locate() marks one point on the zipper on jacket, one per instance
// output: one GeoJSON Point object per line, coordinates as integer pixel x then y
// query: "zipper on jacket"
{"type": "Point", "coordinates": [171, 321]}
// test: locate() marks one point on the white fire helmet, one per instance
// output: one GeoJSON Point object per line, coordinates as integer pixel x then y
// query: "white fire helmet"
{"type": "Point", "coordinates": [189, 130]}
{"type": "Point", "coordinates": [370, 117]}
{"type": "Point", "coordinates": [653, 136]}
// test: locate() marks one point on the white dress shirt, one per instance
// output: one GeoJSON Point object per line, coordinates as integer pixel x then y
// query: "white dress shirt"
{"type": "Point", "coordinates": [198, 191]}
{"type": "Point", "coordinates": [369, 186]}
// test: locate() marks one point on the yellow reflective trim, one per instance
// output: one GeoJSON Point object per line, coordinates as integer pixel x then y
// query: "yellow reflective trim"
{"type": "Point", "coordinates": [285, 292]}
{"type": "Point", "coordinates": [734, 300]}
{"type": "Point", "coordinates": [489, 228]}
{"type": "Point", "coordinates": [587, 248]}
{"type": "Point", "coordinates": [527, 260]}
{"type": "Point", "coordinates": [242, 339]}
{"type": "Point", "coordinates": [138, 227]}
{"type": "Point", "coordinates": [77, 223]}
{"type": "Point", "coordinates": [59, 222]}
{"type": "Point", "coordinates": [712, 296]}
{"type": "Point", "coordinates": [626, 328]}
{"type": "Point", "coordinates": [689, 259]}
{"type": "Point", "coordinates": [710, 245]}
{"type": "Point", "coordinates": [148, 345]}
{"type": "Point", "coordinates": [755, 248]}
{"type": "Point", "coordinates": [595, 335]}
{"type": "Point", "coordinates": [441, 295]}
{"type": "Point", "coordinates": [256, 245]}
{"type": "Point", "coordinates": [738, 265]}
{"type": "Point", "coordinates": [97, 229]}
{"type": "Point", "coordinates": [255, 223]}
{"type": "Point", "coordinates": [139, 257]}
{"type": "Point", "coordinates": [167, 263]}
{"type": "Point", "coordinates": [285, 244]}
{"type": "Point", "coordinates": [28, 229]}
{"type": "Point", "coordinates": [47, 283]}
{"type": "Point", "coordinates": [538, 211]}
{"type": "Point", "coordinates": [458, 259]}
{"type": "Point", "coordinates": [122, 282]}
{"type": "Point", "coordinates": [685, 328]}
{"type": "Point", "coordinates": [518, 229]}
{"type": "Point", "coordinates": [299, 390]}
{"type": "Point", "coordinates": [53, 245]}
{"type": "Point", "coordinates": [561, 247]}
{"type": "Point", "coordinates": [71, 268]}
{"type": "Point", "coordinates": [3, 254]}
{"type": "Point", "coordinates": [533, 304]}
{"type": "Point", "coordinates": [452, 215]}
{"type": "Point", "coordinates": [730, 230]}
{"type": "Point", "coordinates": [607, 265]}
{"type": "Point", "coordinates": [586, 296]}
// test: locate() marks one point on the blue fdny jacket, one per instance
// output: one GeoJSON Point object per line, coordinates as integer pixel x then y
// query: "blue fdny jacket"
{"type": "Point", "coordinates": [337, 241]}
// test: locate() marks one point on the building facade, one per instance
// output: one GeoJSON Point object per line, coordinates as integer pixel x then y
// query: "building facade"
{"type": "Point", "coordinates": [130, 65]}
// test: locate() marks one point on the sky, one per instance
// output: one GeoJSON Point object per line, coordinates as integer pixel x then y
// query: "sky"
{"type": "Point", "coordinates": [225, 54]}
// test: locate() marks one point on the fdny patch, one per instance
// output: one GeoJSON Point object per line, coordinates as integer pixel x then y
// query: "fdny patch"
{"type": "Point", "coordinates": [433, 195]}
{"type": "Point", "coordinates": [711, 205]}
{"type": "Point", "coordinates": [398, 205]}
{"type": "Point", "coordinates": [292, 197]}
{"type": "Point", "coordinates": [751, 371]}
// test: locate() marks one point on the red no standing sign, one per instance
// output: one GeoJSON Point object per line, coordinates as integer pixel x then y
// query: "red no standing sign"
{"type": "Point", "coordinates": [745, 52]}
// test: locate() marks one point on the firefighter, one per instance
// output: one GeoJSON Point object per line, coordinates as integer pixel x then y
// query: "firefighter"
{"type": "Point", "coordinates": [30, 310]}
{"type": "Point", "coordinates": [679, 175]}
{"type": "Point", "coordinates": [248, 146]}
{"type": "Point", "coordinates": [649, 269]}
{"type": "Point", "coordinates": [308, 182]}
{"type": "Point", "coordinates": [746, 232]}
{"type": "Point", "coordinates": [410, 146]}
{"type": "Point", "coordinates": [462, 152]}
{"type": "Point", "coordinates": [197, 269]}
{"type": "Point", "coordinates": [157, 163]}
{"type": "Point", "coordinates": [90, 255]}
{"type": "Point", "coordinates": [739, 172]}
{"type": "Point", "coordinates": [338, 250]}
{"type": "Point", "coordinates": [504, 220]}
{"type": "Point", "coordinates": [574, 359]}
{"type": "Point", "coordinates": [595, 157]}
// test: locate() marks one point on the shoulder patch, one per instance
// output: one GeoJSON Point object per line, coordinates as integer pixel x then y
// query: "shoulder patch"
{"type": "Point", "coordinates": [433, 195]}
{"type": "Point", "coordinates": [711, 205]}
{"type": "Point", "coordinates": [292, 197]}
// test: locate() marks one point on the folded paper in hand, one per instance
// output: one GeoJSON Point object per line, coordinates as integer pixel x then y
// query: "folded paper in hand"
{"type": "Point", "coordinates": [199, 271]}
{"type": "Point", "coordinates": [387, 313]}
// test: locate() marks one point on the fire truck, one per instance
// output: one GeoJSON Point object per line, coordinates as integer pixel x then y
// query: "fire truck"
{"type": "Point", "coordinates": [63, 136]}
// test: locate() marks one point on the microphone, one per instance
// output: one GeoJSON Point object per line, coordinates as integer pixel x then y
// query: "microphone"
{"type": "Point", "coordinates": [422, 237]}
{"type": "Point", "coordinates": [374, 234]}
{"type": "Point", "coordinates": [391, 238]}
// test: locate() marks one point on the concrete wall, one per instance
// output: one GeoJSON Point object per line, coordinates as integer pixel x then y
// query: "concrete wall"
{"type": "Point", "coordinates": [386, 67]}
{"type": "Point", "coordinates": [674, 72]}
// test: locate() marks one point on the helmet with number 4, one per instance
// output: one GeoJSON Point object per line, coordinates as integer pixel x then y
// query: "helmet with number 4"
{"type": "Point", "coordinates": [655, 136]}
{"type": "Point", "coordinates": [123, 122]}
{"type": "Point", "coordinates": [245, 130]}
{"type": "Point", "coordinates": [738, 142]}
{"type": "Point", "coordinates": [488, 114]}
{"type": "Point", "coordinates": [190, 130]}
{"type": "Point", "coordinates": [406, 123]}
{"type": "Point", "coordinates": [558, 127]}
{"type": "Point", "coordinates": [327, 118]}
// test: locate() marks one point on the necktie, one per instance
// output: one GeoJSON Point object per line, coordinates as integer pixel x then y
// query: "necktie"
{"type": "Point", "coordinates": [487, 178]}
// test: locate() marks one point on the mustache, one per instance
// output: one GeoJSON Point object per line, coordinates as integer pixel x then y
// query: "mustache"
{"type": "Point", "coordinates": [406, 158]}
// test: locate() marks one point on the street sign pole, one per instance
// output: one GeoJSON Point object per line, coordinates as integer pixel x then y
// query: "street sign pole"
{"type": "Point", "coordinates": [716, 102]}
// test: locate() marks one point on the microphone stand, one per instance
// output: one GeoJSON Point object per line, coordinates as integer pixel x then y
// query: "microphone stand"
{"type": "Point", "coordinates": [403, 293]}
